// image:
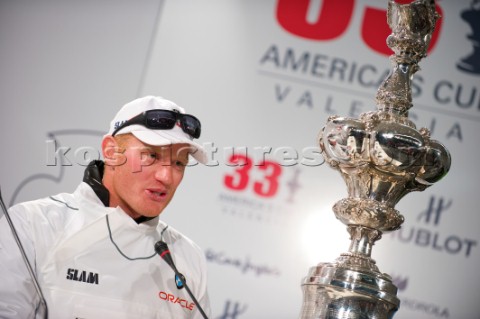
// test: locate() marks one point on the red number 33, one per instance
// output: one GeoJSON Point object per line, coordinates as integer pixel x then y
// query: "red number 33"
{"type": "Point", "coordinates": [239, 180]}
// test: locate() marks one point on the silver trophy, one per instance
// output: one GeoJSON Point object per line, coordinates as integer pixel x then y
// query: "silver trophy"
{"type": "Point", "coordinates": [382, 157]}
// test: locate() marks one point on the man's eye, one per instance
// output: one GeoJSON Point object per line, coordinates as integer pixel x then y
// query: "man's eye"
{"type": "Point", "coordinates": [180, 163]}
{"type": "Point", "coordinates": [153, 155]}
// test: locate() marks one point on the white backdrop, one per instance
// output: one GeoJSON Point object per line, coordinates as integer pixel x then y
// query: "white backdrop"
{"type": "Point", "coordinates": [260, 85]}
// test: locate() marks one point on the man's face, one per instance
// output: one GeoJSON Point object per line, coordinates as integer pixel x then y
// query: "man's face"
{"type": "Point", "coordinates": [145, 179]}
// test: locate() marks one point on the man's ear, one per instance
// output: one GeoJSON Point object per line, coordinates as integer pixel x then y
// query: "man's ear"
{"type": "Point", "coordinates": [112, 152]}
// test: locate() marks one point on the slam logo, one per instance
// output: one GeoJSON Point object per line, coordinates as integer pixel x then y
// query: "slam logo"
{"type": "Point", "coordinates": [471, 63]}
{"type": "Point", "coordinates": [82, 276]}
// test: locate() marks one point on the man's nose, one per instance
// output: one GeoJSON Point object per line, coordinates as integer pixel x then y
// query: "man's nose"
{"type": "Point", "coordinates": [163, 173]}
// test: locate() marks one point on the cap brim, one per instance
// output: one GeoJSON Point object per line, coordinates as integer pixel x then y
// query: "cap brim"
{"type": "Point", "coordinates": [163, 137]}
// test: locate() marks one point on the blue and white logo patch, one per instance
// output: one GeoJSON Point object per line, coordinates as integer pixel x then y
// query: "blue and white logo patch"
{"type": "Point", "coordinates": [180, 281]}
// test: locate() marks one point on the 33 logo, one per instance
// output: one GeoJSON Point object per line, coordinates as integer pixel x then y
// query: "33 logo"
{"type": "Point", "coordinates": [334, 18]}
{"type": "Point", "coordinates": [246, 174]}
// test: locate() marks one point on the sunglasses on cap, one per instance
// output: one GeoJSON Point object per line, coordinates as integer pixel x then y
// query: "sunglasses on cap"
{"type": "Point", "coordinates": [164, 120]}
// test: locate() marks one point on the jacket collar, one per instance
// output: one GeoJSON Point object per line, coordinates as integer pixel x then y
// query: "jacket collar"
{"type": "Point", "coordinates": [93, 177]}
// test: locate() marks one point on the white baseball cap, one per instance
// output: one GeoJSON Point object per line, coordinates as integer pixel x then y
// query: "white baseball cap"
{"type": "Point", "coordinates": [156, 137]}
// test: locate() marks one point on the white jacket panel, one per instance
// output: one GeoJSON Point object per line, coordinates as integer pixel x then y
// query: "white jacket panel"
{"type": "Point", "coordinates": [94, 261]}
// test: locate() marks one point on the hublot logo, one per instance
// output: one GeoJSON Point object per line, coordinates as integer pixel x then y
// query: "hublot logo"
{"type": "Point", "coordinates": [430, 236]}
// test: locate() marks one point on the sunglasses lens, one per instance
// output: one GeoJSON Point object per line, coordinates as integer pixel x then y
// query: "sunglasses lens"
{"type": "Point", "coordinates": [191, 126]}
{"type": "Point", "coordinates": [161, 120]}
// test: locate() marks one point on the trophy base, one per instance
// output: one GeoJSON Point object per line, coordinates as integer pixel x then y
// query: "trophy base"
{"type": "Point", "coordinates": [334, 292]}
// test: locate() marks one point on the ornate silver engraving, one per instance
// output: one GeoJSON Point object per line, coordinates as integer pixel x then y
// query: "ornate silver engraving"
{"type": "Point", "coordinates": [382, 157]}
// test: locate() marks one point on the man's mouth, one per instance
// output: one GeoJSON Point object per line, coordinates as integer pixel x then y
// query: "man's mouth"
{"type": "Point", "coordinates": [156, 195]}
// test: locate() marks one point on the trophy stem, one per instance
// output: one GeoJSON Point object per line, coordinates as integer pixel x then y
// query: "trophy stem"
{"type": "Point", "coordinates": [363, 239]}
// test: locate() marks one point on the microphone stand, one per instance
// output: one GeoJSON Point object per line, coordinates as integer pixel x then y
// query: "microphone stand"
{"type": "Point", "coordinates": [162, 249]}
{"type": "Point", "coordinates": [24, 256]}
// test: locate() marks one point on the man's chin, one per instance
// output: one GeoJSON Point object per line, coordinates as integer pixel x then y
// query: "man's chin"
{"type": "Point", "coordinates": [152, 213]}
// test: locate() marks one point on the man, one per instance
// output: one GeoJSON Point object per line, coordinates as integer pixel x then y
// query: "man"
{"type": "Point", "coordinates": [92, 251]}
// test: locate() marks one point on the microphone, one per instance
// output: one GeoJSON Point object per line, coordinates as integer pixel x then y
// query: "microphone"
{"type": "Point", "coordinates": [25, 258]}
{"type": "Point", "coordinates": [162, 250]}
